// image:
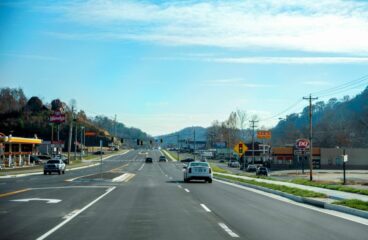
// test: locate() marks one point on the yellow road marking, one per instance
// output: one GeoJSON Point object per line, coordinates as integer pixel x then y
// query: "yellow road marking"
{"type": "Point", "coordinates": [119, 168]}
{"type": "Point", "coordinates": [15, 192]}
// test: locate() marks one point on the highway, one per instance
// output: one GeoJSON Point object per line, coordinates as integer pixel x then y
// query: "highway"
{"type": "Point", "coordinates": [150, 201]}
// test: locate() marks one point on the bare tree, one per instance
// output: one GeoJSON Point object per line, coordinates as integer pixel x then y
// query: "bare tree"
{"type": "Point", "coordinates": [242, 119]}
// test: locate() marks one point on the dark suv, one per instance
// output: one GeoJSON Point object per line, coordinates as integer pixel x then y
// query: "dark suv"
{"type": "Point", "coordinates": [149, 160]}
{"type": "Point", "coordinates": [162, 159]}
{"type": "Point", "coordinates": [262, 171]}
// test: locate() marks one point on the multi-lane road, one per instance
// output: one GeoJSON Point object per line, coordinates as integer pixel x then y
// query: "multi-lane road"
{"type": "Point", "coordinates": [135, 200]}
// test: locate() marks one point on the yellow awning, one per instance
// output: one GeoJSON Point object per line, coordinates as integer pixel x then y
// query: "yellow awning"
{"type": "Point", "coordinates": [21, 140]}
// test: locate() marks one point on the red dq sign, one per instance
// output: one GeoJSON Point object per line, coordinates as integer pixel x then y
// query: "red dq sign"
{"type": "Point", "coordinates": [302, 143]}
{"type": "Point", "coordinates": [57, 117]}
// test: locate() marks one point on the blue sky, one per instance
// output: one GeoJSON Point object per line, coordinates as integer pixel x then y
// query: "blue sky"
{"type": "Point", "coordinates": [165, 65]}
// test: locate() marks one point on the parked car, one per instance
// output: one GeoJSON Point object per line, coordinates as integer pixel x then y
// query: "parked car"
{"type": "Point", "coordinates": [54, 165]}
{"type": "Point", "coordinates": [187, 160]}
{"type": "Point", "coordinates": [262, 171]}
{"type": "Point", "coordinates": [251, 168]}
{"type": "Point", "coordinates": [234, 164]}
{"type": "Point", "coordinates": [149, 160]}
{"type": "Point", "coordinates": [162, 159]}
{"type": "Point", "coordinates": [99, 153]}
{"type": "Point", "coordinates": [198, 171]}
{"type": "Point", "coordinates": [62, 158]}
{"type": "Point", "coordinates": [35, 159]}
{"type": "Point", "coordinates": [222, 160]}
{"type": "Point", "coordinates": [44, 157]}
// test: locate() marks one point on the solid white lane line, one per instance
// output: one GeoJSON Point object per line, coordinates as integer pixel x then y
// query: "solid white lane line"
{"type": "Point", "coordinates": [187, 190]}
{"type": "Point", "coordinates": [73, 216]}
{"type": "Point", "coordinates": [325, 211]}
{"type": "Point", "coordinates": [141, 167]}
{"type": "Point", "coordinates": [205, 208]}
{"type": "Point", "coordinates": [179, 186]}
{"type": "Point", "coordinates": [228, 230]}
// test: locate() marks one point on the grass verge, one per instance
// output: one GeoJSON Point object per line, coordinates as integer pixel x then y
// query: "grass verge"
{"type": "Point", "coordinates": [353, 203]}
{"type": "Point", "coordinates": [285, 189]}
{"type": "Point", "coordinates": [337, 187]}
{"type": "Point", "coordinates": [218, 169]}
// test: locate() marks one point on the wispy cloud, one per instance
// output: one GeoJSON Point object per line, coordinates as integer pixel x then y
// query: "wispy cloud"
{"type": "Point", "coordinates": [289, 60]}
{"type": "Point", "coordinates": [304, 25]}
{"type": "Point", "coordinates": [233, 82]}
{"type": "Point", "coordinates": [31, 56]}
{"type": "Point", "coordinates": [317, 83]}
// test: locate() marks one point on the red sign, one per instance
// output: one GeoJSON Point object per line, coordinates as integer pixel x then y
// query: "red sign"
{"type": "Point", "coordinates": [302, 144]}
{"type": "Point", "coordinates": [90, 134]}
{"type": "Point", "coordinates": [57, 117]}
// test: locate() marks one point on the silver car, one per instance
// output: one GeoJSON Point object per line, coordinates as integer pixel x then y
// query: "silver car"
{"type": "Point", "coordinates": [198, 171]}
{"type": "Point", "coordinates": [54, 165]}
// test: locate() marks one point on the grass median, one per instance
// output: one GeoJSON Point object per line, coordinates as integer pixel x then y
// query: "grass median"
{"type": "Point", "coordinates": [353, 203]}
{"type": "Point", "coordinates": [337, 187]}
{"type": "Point", "coordinates": [218, 169]}
{"type": "Point", "coordinates": [281, 188]}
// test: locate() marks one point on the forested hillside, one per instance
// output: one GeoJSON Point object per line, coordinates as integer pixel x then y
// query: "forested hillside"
{"type": "Point", "coordinates": [335, 123]}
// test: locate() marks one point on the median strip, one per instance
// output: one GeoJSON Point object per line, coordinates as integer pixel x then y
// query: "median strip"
{"type": "Point", "coordinates": [294, 191]}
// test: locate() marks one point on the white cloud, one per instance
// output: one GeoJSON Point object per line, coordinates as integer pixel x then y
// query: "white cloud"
{"type": "Point", "coordinates": [31, 56]}
{"type": "Point", "coordinates": [289, 60]}
{"type": "Point", "coordinates": [233, 82]}
{"type": "Point", "coordinates": [317, 83]}
{"type": "Point", "coordinates": [304, 25]}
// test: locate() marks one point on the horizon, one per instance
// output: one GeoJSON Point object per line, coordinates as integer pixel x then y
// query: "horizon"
{"type": "Point", "coordinates": [164, 66]}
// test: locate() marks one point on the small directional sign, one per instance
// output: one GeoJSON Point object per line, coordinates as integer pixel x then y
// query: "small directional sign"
{"type": "Point", "coordinates": [47, 200]}
{"type": "Point", "coordinates": [240, 148]}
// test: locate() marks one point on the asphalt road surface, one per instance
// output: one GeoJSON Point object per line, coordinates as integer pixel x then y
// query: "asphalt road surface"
{"type": "Point", "coordinates": [134, 200]}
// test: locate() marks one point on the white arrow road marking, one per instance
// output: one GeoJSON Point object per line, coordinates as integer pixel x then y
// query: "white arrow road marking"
{"type": "Point", "coordinates": [48, 200]}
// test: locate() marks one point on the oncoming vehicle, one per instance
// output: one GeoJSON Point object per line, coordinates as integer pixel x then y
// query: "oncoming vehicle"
{"type": "Point", "coordinates": [234, 164]}
{"type": "Point", "coordinates": [54, 165]}
{"type": "Point", "coordinates": [251, 168]}
{"type": "Point", "coordinates": [149, 160]}
{"type": "Point", "coordinates": [162, 159]}
{"type": "Point", "coordinates": [198, 171]}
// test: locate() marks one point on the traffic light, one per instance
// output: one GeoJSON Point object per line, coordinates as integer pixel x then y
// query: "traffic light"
{"type": "Point", "coordinates": [161, 140]}
{"type": "Point", "coordinates": [151, 142]}
{"type": "Point", "coordinates": [240, 148]}
{"type": "Point", "coordinates": [141, 142]}
{"type": "Point", "coordinates": [138, 142]}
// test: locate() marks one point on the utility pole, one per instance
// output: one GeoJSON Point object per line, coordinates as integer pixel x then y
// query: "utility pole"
{"type": "Point", "coordinates": [178, 148]}
{"type": "Point", "coordinates": [81, 141]}
{"type": "Point", "coordinates": [194, 143]}
{"type": "Point", "coordinates": [310, 99]}
{"type": "Point", "coordinates": [70, 133]}
{"type": "Point", "coordinates": [253, 127]}
{"type": "Point", "coordinates": [75, 141]}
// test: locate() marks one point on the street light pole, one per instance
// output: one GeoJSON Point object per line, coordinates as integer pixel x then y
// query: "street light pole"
{"type": "Point", "coordinates": [344, 166]}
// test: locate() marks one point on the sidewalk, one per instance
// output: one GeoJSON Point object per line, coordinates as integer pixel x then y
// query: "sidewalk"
{"type": "Point", "coordinates": [338, 195]}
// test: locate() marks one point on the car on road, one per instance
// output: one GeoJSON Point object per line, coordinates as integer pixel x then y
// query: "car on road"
{"type": "Point", "coordinates": [54, 165]}
{"type": "Point", "coordinates": [251, 168]}
{"type": "Point", "coordinates": [35, 159]}
{"type": "Point", "coordinates": [198, 171]}
{"type": "Point", "coordinates": [162, 159]}
{"type": "Point", "coordinates": [149, 160]}
{"type": "Point", "coordinates": [262, 171]}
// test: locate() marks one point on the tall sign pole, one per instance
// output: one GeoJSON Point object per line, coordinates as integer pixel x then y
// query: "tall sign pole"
{"type": "Point", "coordinates": [70, 133]}
{"type": "Point", "coordinates": [310, 98]}
{"type": "Point", "coordinates": [253, 126]}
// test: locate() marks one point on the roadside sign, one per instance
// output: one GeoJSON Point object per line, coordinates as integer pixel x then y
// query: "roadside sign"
{"type": "Point", "coordinates": [240, 148]}
{"type": "Point", "coordinates": [57, 117]}
{"type": "Point", "coordinates": [90, 134]}
{"type": "Point", "coordinates": [264, 134]}
{"type": "Point", "coordinates": [345, 158]}
{"type": "Point", "coordinates": [302, 144]}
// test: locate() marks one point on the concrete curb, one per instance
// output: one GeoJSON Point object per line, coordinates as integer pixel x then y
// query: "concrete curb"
{"type": "Point", "coordinates": [68, 169]}
{"type": "Point", "coordinates": [309, 201]}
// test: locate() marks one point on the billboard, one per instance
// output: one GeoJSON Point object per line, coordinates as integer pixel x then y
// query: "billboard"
{"type": "Point", "coordinates": [57, 117]}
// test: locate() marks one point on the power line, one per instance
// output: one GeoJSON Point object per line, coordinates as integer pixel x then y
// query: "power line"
{"type": "Point", "coordinates": [341, 86]}
{"type": "Point", "coordinates": [283, 111]}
